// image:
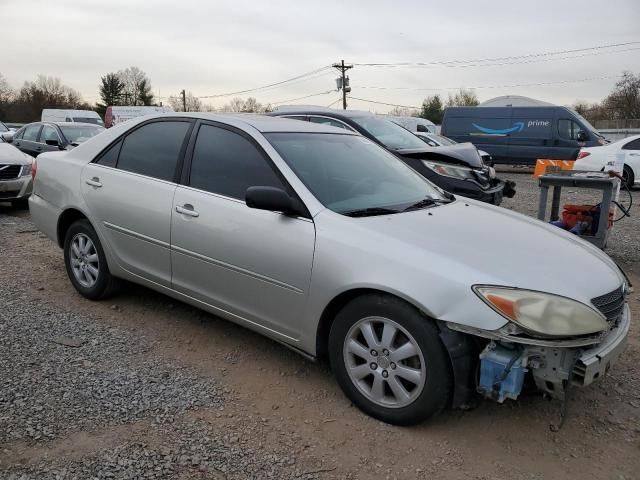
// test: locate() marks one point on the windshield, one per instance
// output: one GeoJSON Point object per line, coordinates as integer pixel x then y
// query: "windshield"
{"type": "Point", "coordinates": [586, 123]}
{"type": "Point", "coordinates": [348, 172]}
{"type": "Point", "coordinates": [390, 134]}
{"type": "Point", "coordinates": [442, 140]}
{"type": "Point", "coordinates": [80, 134]}
{"type": "Point", "coordinates": [95, 121]}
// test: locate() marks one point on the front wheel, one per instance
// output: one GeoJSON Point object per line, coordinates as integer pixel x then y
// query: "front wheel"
{"type": "Point", "coordinates": [389, 360]}
{"type": "Point", "coordinates": [86, 263]}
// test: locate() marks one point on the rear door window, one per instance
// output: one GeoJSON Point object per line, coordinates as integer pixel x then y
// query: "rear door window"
{"type": "Point", "coordinates": [153, 149]}
{"type": "Point", "coordinates": [227, 163]}
{"type": "Point", "coordinates": [632, 145]}
{"type": "Point", "coordinates": [31, 133]}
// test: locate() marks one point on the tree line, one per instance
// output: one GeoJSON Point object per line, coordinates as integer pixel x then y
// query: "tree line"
{"type": "Point", "coordinates": [132, 86]}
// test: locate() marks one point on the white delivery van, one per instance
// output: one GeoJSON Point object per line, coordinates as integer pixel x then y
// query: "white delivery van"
{"type": "Point", "coordinates": [115, 115]}
{"type": "Point", "coordinates": [63, 115]}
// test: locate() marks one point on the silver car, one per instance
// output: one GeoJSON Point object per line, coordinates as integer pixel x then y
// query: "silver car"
{"type": "Point", "coordinates": [15, 173]}
{"type": "Point", "coordinates": [324, 241]}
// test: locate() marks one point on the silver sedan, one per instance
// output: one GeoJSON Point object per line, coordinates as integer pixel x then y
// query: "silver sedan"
{"type": "Point", "coordinates": [329, 244]}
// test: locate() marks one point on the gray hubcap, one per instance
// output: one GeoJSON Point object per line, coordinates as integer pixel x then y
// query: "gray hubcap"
{"type": "Point", "coordinates": [84, 260]}
{"type": "Point", "coordinates": [384, 362]}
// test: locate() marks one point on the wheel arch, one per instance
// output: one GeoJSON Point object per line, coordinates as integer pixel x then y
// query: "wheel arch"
{"type": "Point", "coordinates": [66, 219]}
{"type": "Point", "coordinates": [462, 349]}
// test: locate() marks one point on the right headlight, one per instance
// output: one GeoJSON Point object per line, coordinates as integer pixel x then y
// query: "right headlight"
{"type": "Point", "coordinates": [26, 171]}
{"type": "Point", "coordinates": [449, 170]}
{"type": "Point", "coordinates": [542, 313]}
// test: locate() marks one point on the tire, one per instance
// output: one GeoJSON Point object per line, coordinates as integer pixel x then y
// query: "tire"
{"type": "Point", "coordinates": [97, 283]}
{"type": "Point", "coordinates": [416, 387]}
{"type": "Point", "coordinates": [629, 178]}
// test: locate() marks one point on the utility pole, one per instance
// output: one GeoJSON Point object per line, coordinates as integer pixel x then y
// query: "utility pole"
{"type": "Point", "coordinates": [184, 100]}
{"type": "Point", "coordinates": [343, 81]}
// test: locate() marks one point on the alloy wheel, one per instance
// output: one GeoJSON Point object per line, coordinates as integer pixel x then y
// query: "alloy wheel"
{"type": "Point", "coordinates": [384, 362]}
{"type": "Point", "coordinates": [84, 260]}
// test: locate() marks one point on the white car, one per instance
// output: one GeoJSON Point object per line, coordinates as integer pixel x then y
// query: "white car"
{"type": "Point", "coordinates": [599, 158]}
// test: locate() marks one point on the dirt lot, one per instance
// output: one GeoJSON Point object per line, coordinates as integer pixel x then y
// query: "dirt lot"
{"type": "Point", "coordinates": [141, 386]}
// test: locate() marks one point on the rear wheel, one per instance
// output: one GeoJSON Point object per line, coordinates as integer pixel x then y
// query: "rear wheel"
{"type": "Point", "coordinates": [389, 360]}
{"type": "Point", "coordinates": [86, 263]}
{"type": "Point", "coordinates": [628, 177]}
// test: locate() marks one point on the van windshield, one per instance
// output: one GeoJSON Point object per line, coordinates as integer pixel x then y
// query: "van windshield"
{"type": "Point", "coordinates": [586, 123]}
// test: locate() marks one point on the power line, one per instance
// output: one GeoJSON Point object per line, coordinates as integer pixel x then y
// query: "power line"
{"type": "Point", "coordinates": [384, 103]}
{"type": "Point", "coordinates": [481, 87]}
{"type": "Point", "coordinates": [239, 92]}
{"type": "Point", "coordinates": [302, 98]}
{"type": "Point", "coordinates": [334, 102]}
{"type": "Point", "coordinates": [457, 63]}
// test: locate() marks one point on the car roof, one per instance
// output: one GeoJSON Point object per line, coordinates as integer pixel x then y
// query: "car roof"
{"type": "Point", "coordinates": [74, 124]}
{"type": "Point", "coordinates": [262, 123]}
{"type": "Point", "coordinates": [311, 110]}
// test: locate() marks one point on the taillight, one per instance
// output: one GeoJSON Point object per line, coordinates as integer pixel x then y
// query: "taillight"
{"type": "Point", "coordinates": [583, 154]}
{"type": "Point", "coordinates": [34, 168]}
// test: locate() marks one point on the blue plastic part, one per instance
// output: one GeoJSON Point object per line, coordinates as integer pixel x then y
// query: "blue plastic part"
{"type": "Point", "coordinates": [501, 372]}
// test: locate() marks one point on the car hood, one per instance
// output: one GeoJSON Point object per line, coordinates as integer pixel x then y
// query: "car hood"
{"type": "Point", "coordinates": [10, 155]}
{"type": "Point", "coordinates": [461, 153]}
{"type": "Point", "coordinates": [475, 243]}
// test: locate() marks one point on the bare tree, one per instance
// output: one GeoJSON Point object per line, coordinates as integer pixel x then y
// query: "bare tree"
{"type": "Point", "coordinates": [250, 105]}
{"type": "Point", "coordinates": [6, 92]}
{"type": "Point", "coordinates": [194, 104]}
{"type": "Point", "coordinates": [625, 98]}
{"type": "Point", "coordinates": [403, 112]}
{"type": "Point", "coordinates": [463, 98]}
{"type": "Point", "coordinates": [137, 87]}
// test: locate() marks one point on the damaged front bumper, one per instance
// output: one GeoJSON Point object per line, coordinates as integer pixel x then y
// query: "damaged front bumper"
{"type": "Point", "coordinates": [553, 364]}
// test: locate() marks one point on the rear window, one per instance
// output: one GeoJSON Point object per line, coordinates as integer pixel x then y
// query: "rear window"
{"type": "Point", "coordinates": [95, 121]}
{"type": "Point", "coordinates": [80, 134]}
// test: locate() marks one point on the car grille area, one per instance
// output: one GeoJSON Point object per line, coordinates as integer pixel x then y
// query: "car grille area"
{"type": "Point", "coordinates": [610, 304]}
{"type": "Point", "coordinates": [9, 172]}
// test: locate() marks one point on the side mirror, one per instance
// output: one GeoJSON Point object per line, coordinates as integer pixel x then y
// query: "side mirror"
{"type": "Point", "coordinates": [582, 136]}
{"type": "Point", "coordinates": [53, 143]}
{"type": "Point", "coordinates": [272, 199]}
{"type": "Point", "coordinates": [7, 137]}
{"type": "Point", "coordinates": [422, 128]}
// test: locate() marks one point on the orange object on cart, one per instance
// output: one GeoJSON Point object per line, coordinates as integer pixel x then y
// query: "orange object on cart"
{"type": "Point", "coordinates": [545, 165]}
{"type": "Point", "coordinates": [573, 214]}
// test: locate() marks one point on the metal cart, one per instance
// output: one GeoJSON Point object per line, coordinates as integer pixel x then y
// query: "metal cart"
{"type": "Point", "coordinates": [590, 180]}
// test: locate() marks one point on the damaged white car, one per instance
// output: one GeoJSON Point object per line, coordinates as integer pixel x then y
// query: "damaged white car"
{"type": "Point", "coordinates": [324, 241]}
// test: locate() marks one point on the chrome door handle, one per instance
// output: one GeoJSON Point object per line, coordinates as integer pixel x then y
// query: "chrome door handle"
{"type": "Point", "coordinates": [94, 182]}
{"type": "Point", "coordinates": [188, 210]}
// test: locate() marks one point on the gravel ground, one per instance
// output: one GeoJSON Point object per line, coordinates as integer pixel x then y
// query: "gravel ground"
{"type": "Point", "coordinates": [141, 386]}
{"type": "Point", "coordinates": [64, 373]}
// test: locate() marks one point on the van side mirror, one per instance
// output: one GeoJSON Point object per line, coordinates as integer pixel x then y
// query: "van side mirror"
{"type": "Point", "coordinates": [582, 136]}
{"type": "Point", "coordinates": [274, 200]}
{"type": "Point", "coordinates": [422, 128]}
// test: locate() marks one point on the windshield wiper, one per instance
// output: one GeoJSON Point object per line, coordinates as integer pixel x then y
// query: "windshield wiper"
{"type": "Point", "coordinates": [369, 212]}
{"type": "Point", "coordinates": [426, 202]}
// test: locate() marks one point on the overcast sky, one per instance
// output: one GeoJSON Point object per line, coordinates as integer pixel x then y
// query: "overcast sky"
{"type": "Point", "coordinates": [213, 47]}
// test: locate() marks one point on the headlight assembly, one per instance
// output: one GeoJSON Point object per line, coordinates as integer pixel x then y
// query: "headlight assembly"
{"type": "Point", "coordinates": [26, 171]}
{"type": "Point", "coordinates": [449, 170]}
{"type": "Point", "coordinates": [542, 313]}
